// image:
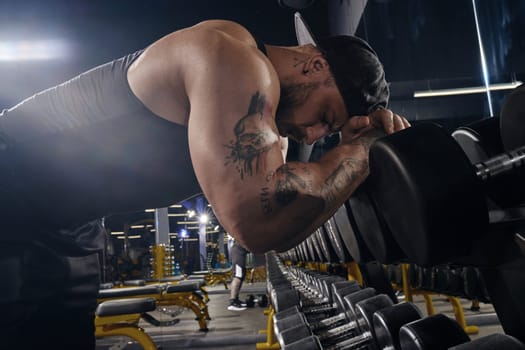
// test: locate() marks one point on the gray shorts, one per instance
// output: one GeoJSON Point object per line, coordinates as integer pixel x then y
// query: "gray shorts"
{"type": "Point", "coordinates": [238, 258]}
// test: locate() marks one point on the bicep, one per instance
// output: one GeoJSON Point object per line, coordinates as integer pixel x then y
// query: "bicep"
{"type": "Point", "coordinates": [234, 145]}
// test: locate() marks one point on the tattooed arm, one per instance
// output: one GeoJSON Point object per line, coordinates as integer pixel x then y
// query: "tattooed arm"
{"type": "Point", "coordinates": [237, 155]}
{"type": "Point", "coordinates": [318, 188]}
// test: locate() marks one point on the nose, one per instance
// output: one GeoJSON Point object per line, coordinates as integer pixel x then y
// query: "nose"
{"type": "Point", "coordinates": [314, 133]}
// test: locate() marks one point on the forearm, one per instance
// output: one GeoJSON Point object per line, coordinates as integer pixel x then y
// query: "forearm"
{"type": "Point", "coordinates": [300, 197]}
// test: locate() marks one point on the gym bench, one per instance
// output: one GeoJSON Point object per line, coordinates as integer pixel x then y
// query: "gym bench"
{"type": "Point", "coordinates": [185, 294]}
{"type": "Point", "coordinates": [198, 280]}
{"type": "Point", "coordinates": [121, 317]}
{"type": "Point", "coordinates": [213, 276]}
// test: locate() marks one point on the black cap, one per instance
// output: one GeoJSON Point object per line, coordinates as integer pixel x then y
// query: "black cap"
{"type": "Point", "coordinates": [356, 68]}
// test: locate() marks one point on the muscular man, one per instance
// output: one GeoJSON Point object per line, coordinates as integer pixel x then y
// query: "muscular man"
{"type": "Point", "coordinates": [201, 109]}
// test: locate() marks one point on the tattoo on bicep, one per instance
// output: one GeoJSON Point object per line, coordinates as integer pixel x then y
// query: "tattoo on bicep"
{"type": "Point", "coordinates": [251, 139]}
{"type": "Point", "coordinates": [347, 172]}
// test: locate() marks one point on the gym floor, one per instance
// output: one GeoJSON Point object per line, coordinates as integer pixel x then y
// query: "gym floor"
{"type": "Point", "coordinates": [239, 330]}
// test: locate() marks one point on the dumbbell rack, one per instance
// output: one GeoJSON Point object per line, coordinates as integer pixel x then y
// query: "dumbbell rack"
{"type": "Point", "coordinates": [162, 261]}
{"type": "Point", "coordinates": [409, 291]}
{"type": "Point", "coordinates": [445, 331]}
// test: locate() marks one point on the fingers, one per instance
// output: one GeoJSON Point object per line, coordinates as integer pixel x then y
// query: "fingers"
{"type": "Point", "coordinates": [359, 122]}
{"type": "Point", "coordinates": [383, 119]}
{"type": "Point", "coordinates": [388, 121]}
{"type": "Point", "coordinates": [406, 123]}
{"type": "Point", "coordinates": [400, 123]}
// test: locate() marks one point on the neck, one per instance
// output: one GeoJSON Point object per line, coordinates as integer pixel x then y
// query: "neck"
{"type": "Point", "coordinates": [288, 61]}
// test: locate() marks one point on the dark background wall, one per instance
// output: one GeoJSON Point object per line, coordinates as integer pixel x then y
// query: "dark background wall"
{"type": "Point", "coordinates": [97, 31]}
{"type": "Point", "coordinates": [423, 43]}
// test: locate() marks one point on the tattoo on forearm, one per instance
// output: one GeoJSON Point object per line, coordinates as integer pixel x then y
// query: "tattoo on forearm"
{"type": "Point", "coordinates": [289, 183]}
{"type": "Point", "coordinates": [367, 140]}
{"type": "Point", "coordinates": [286, 188]}
{"type": "Point", "coordinates": [364, 142]}
{"type": "Point", "coordinates": [347, 172]}
{"type": "Point", "coordinates": [251, 140]}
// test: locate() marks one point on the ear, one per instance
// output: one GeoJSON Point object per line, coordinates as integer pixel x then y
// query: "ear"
{"type": "Point", "coordinates": [316, 64]}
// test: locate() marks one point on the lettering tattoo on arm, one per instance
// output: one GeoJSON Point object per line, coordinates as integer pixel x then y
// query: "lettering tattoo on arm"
{"type": "Point", "coordinates": [286, 188]}
{"type": "Point", "coordinates": [290, 183]}
{"type": "Point", "coordinates": [251, 139]}
{"type": "Point", "coordinates": [348, 172]}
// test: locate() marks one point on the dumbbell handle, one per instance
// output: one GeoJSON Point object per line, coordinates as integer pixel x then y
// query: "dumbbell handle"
{"type": "Point", "coordinates": [500, 164]}
{"type": "Point", "coordinates": [328, 322]}
{"type": "Point", "coordinates": [352, 343]}
{"type": "Point", "coordinates": [348, 329]}
{"type": "Point", "coordinates": [321, 308]}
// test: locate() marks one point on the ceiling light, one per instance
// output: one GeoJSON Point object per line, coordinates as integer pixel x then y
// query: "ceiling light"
{"type": "Point", "coordinates": [466, 90]}
{"type": "Point", "coordinates": [33, 50]}
{"type": "Point", "coordinates": [204, 219]}
{"type": "Point", "coordinates": [130, 237]}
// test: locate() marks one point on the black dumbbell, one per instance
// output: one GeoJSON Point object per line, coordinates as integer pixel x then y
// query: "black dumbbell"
{"type": "Point", "coordinates": [335, 304]}
{"type": "Point", "coordinates": [369, 225]}
{"type": "Point", "coordinates": [481, 140]}
{"type": "Point", "coordinates": [330, 336]}
{"type": "Point", "coordinates": [422, 170]}
{"type": "Point", "coordinates": [310, 342]}
{"type": "Point", "coordinates": [309, 286]}
{"type": "Point", "coordinates": [284, 298]}
{"type": "Point", "coordinates": [346, 315]}
{"type": "Point", "coordinates": [377, 330]}
{"type": "Point", "coordinates": [490, 342]}
{"type": "Point", "coordinates": [309, 290]}
{"type": "Point", "coordinates": [322, 286]}
{"type": "Point", "coordinates": [283, 319]}
{"type": "Point", "coordinates": [433, 332]}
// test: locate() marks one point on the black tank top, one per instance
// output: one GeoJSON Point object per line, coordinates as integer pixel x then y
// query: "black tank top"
{"type": "Point", "coordinates": [89, 148]}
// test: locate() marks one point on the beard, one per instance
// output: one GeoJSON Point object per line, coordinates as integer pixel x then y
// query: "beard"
{"type": "Point", "coordinates": [293, 95]}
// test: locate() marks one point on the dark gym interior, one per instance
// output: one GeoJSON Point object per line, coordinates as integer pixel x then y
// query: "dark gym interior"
{"type": "Point", "coordinates": [460, 255]}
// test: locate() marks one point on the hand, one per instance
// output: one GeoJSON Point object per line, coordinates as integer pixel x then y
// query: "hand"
{"type": "Point", "coordinates": [384, 121]}
{"type": "Point", "coordinates": [387, 120]}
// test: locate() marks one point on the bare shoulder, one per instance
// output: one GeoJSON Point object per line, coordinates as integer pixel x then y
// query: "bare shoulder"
{"type": "Point", "coordinates": [186, 62]}
{"type": "Point", "coordinates": [225, 56]}
{"type": "Point", "coordinates": [233, 29]}
{"type": "Point", "coordinates": [219, 40]}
